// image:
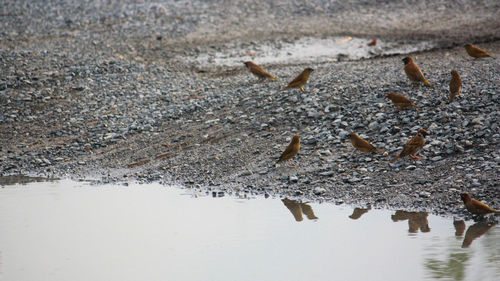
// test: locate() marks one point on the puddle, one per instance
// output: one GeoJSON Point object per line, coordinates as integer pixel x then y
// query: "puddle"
{"type": "Point", "coordinates": [73, 231]}
{"type": "Point", "coordinates": [309, 50]}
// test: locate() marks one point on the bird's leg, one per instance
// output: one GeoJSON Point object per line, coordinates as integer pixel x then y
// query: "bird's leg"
{"type": "Point", "coordinates": [301, 89]}
{"type": "Point", "coordinates": [416, 157]}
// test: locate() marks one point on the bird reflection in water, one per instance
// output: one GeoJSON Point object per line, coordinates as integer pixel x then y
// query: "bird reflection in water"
{"type": "Point", "coordinates": [357, 213]}
{"type": "Point", "coordinates": [459, 227]}
{"type": "Point", "coordinates": [297, 209]}
{"type": "Point", "coordinates": [416, 220]}
{"type": "Point", "coordinates": [474, 231]}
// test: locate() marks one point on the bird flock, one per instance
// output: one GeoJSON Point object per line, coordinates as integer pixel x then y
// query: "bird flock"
{"type": "Point", "coordinates": [415, 75]}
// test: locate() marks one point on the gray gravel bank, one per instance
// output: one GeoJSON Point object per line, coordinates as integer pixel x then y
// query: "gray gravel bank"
{"type": "Point", "coordinates": [100, 92]}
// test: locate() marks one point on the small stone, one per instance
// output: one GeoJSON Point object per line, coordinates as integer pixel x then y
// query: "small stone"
{"type": "Point", "coordinates": [327, 174]}
{"type": "Point", "coordinates": [246, 173]}
{"type": "Point", "coordinates": [319, 190]}
{"type": "Point", "coordinates": [424, 194]}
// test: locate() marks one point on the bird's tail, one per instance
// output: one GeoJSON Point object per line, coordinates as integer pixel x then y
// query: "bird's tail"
{"type": "Point", "coordinates": [395, 159]}
{"type": "Point", "coordinates": [427, 82]}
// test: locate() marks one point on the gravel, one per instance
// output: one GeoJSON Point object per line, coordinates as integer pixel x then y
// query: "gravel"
{"type": "Point", "coordinates": [104, 92]}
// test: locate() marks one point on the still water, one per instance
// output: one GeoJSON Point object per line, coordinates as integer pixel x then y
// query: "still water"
{"type": "Point", "coordinates": [66, 230]}
{"type": "Point", "coordinates": [309, 49]}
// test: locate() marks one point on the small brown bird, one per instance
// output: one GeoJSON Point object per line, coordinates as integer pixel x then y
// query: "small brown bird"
{"type": "Point", "coordinates": [291, 150]}
{"type": "Point", "coordinates": [476, 207]}
{"type": "Point", "coordinates": [259, 71]}
{"type": "Point", "coordinates": [400, 101]}
{"type": "Point", "coordinates": [455, 84]}
{"type": "Point", "coordinates": [476, 230]}
{"type": "Point", "coordinates": [413, 145]}
{"type": "Point", "coordinates": [361, 144]}
{"type": "Point", "coordinates": [476, 52]}
{"type": "Point", "coordinates": [413, 71]}
{"type": "Point", "coordinates": [372, 43]}
{"type": "Point", "coordinates": [300, 80]}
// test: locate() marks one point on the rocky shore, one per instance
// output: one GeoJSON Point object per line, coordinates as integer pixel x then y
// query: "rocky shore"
{"type": "Point", "coordinates": [104, 92]}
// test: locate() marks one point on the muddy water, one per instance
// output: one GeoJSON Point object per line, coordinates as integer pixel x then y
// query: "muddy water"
{"type": "Point", "coordinates": [309, 50]}
{"type": "Point", "coordinates": [73, 231]}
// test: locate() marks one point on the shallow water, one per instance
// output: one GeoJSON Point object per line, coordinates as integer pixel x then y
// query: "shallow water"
{"type": "Point", "coordinates": [308, 50]}
{"type": "Point", "coordinates": [65, 230]}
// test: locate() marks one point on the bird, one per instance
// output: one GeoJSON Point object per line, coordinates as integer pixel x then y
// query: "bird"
{"type": "Point", "coordinates": [476, 52]}
{"type": "Point", "coordinates": [413, 71]}
{"type": "Point", "coordinates": [361, 144]}
{"type": "Point", "coordinates": [455, 84]}
{"type": "Point", "coordinates": [300, 80]}
{"type": "Point", "coordinates": [476, 207]}
{"type": "Point", "coordinates": [259, 71]}
{"type": "Point", "coordinates": [476, 230]}
{"type": "Point", "coordinates": [413, 145]}
{"type": "Point", "coordinates": [291, 150]}
{"type": "Point", "coordinates": [400, 101]}
{"type": "Point", "coordinates": [372, 43]}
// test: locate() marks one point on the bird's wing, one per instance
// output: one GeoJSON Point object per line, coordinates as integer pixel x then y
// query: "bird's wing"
{"type": "Point", "coordinates": [400, 99]}
{"type": "Point", "coordinates": [415, 71]}
{"type": "Point", "coordinates": [412, 146]}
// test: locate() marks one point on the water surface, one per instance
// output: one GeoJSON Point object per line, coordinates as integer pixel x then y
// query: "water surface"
{"type": "Point", "coordinates": [309, 50]}
{"type": "Point", "coordinates": [74, 231]}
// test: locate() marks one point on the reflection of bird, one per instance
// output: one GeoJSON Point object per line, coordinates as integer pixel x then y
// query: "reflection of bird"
{"type": "Point", "coordinates": [294, 207]}
{"type": "Point", "coordinates": [459, 227]}
{"type": "Point", "coordinates": [400, 101]}
{"type": "Point", "coordinates": [476, 207]}
{"type": "Point", "coordinates": [455, 84]}
{"type": "Point", "coordinates": [259, 71]}
{"type": "Point", "coordinates": [476, 52]}
{"type": "Point", "coordinates": [416, 220]}
{"type": "Point", "coordinates": [413, 71]}
{"type": "Point", "coordinates": [300, 80]}
{"type": "Point", "coordinates": [361, 144]}
{"type": "Point", "coordinates": [415, 144]}
{"type": "Point", "coordinates": [308, 211]}
{"type": "Point", "coordinates": [291, 150]}
{"type": "Point", "coordinates": [474, 231]}
{"type": "Point", "coordinates": [357, 213]}
{"type": "Point", "coordinates": [297, 209]}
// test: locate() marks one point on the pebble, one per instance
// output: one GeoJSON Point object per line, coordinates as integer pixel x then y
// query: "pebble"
{"type": "Point", "coordinates": [327, 173]}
